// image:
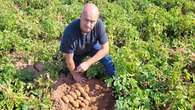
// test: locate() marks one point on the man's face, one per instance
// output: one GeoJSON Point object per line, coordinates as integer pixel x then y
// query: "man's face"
{"type": "Point", "coordinates": [87, 22]}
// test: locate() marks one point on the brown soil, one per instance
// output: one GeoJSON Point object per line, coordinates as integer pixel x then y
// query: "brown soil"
{"type": "Point", "coordinates": [100, 96]}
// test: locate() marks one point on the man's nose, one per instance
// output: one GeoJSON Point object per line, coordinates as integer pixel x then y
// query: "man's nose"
{"type": "Point", "coordinates": [89, 24]}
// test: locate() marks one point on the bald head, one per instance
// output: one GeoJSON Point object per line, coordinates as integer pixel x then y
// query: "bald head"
{"type": "Point", "coordinates": [90, 9]}
{"type": "Point", "coordinates": [89, 16]}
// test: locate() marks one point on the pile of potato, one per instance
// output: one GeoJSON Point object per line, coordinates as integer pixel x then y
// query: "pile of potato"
{"type": "Point", "coordinates": [76, 96]}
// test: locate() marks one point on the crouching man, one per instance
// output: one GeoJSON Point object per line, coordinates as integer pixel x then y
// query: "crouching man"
{"type": "Point", "coordinates": [83, 37]}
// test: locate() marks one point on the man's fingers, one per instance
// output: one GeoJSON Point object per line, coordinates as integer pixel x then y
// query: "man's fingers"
{"type": "Point", "coordinates": [84, 80]}
{"type": "Point", "coordinates": [79, 69]}
{"type": "Point", "coordinates": [82, 67]}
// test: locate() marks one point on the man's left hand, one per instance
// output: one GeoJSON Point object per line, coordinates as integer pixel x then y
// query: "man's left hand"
{"type": "Point", "coordinates": [83, 67]}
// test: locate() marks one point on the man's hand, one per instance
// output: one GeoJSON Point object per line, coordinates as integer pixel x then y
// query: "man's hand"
{"type": "Point", "coordinates": [83, 67]}
{"type": "Point", "coordinates": [78, 78]}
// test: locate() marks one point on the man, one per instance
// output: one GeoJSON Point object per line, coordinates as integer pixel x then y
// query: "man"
{"type": "Point", "coordinates": [86, 37]}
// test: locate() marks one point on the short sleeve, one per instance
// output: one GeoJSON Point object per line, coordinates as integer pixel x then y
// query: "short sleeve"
{"type": "Point", "coordinates": [66, 45]}
{"type": "Point", "coordinates": [103, 38]}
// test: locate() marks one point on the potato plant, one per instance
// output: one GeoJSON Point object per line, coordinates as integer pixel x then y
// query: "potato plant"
{"type": "Point", "coordinates": [145, 38]}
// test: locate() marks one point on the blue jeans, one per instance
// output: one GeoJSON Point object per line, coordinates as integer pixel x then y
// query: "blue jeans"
{"type": "Point", "coordinates": [106, 61]}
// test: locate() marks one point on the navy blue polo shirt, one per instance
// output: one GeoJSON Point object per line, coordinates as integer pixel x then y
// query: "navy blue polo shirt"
{"type": "Point", "coordinates": [73, 41]}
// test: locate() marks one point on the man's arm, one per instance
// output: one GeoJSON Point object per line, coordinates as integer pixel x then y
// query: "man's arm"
{"type": "Point", "coordinates": [72, 68]}
{"type": "Point", "coordinates": [99, 55]}
{"type": "Point", "coordinates": [70, 62]}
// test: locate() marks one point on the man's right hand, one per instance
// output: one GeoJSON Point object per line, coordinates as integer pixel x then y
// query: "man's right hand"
{"type": "Point", "coordinates": [78, 78]}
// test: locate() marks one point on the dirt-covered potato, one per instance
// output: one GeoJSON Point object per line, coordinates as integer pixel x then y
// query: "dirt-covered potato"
{"type": "Point", "coordinates": [83, 100]}
{"type": "Point", "coordinates": [81, 103]}
{"type": "Point", "coordinates": [86, 88]}
{"type": "Point", "coordinates": [72, 101]}
{"type": "Point", "coordinates": [80, 89]}
{"type": "Point", "coordinates": [70, 98]}
{"type": "Point", "coordinates": [77, 93]}
{"type": "Point", "coordinates": [87, 97]}
{"type": "Point", "coordinates": [65, 99]}
{"type": "Point", "coordinates": [75, 104]}
{"type": "Point", "coordinates": [84, 94]}
{"type": "Point", "coordinates": [73, 94]}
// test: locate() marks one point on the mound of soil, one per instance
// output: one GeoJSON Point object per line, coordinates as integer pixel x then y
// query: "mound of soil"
{"type": "Point", "coordinates": [92, 95]}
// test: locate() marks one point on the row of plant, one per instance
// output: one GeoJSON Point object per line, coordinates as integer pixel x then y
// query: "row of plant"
{"type": "Point", "coordinates": [145, 37]}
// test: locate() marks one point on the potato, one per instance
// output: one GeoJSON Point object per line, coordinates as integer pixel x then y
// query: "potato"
{"type": "Point", "coordinates": [87, 97]}
{"type": "Point", "coordinates": [86, 87]}
{"type": "Point", "coordinates": [74, 103]}
{"type": "Point", "coordinates": [77, 93]}
{"type": "Point", "coordinates": [73, 94]}
{"type": "Point", "coordinates": [65, 99]}
{"type": "Point", "coordinates": [83, 100]}
{"type": "Point", "coordinates": [81, 89]}
{"type": "Point", "coordinates": [84, 94]}
{"type": "Point", "coordinates": [66, 88]}
{"type": "Point", "coordinates": [70, 98]}
{"type": "Point", "coordinates": [81, 103]}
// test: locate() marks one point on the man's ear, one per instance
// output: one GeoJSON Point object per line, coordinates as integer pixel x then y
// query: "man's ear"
{"type": "Point", "coordinates": [80, 15]}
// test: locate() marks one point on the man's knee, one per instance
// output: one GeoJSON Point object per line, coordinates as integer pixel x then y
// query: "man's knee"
{"type": "Point", "coordinates": [108, 65]}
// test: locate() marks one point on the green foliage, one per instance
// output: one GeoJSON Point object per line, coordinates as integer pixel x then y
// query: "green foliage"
{"type": "Point", "coordinates": [141, 35]}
